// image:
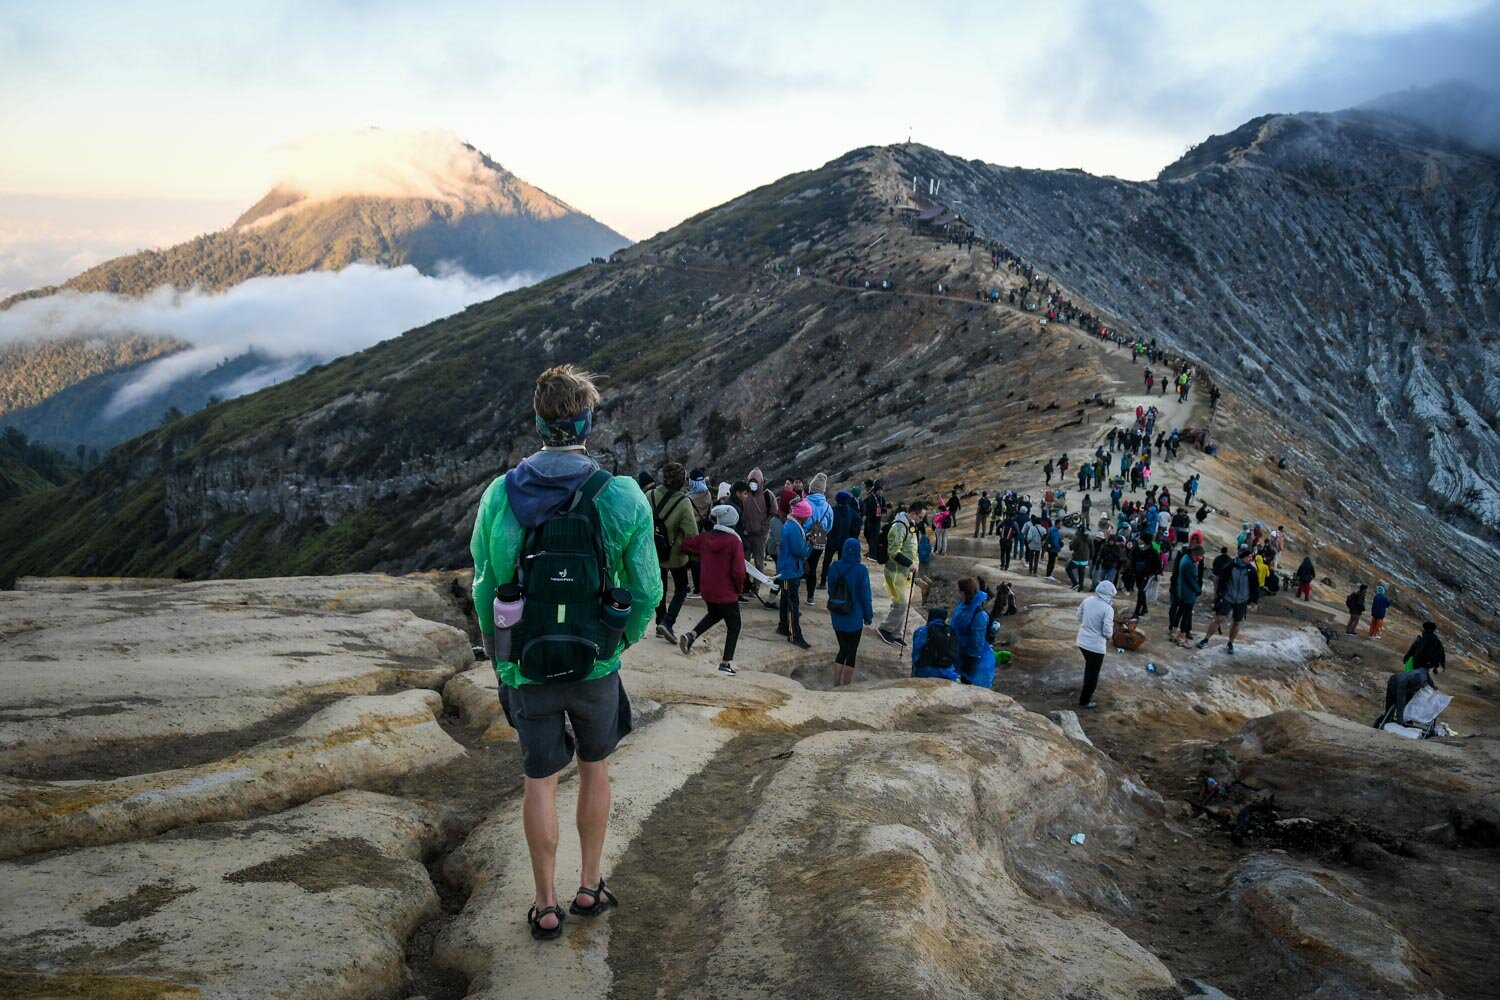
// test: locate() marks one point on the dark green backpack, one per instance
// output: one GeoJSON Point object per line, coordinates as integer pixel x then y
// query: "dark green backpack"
{"type": "Point", "coordinates": [564, 575]}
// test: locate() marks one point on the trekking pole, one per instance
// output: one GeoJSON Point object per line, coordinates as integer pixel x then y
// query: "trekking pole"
{"type": "Point", "coordinates": [907, 617]}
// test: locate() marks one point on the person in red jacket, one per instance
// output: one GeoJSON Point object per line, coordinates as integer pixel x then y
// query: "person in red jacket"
{"type": "Point", "coordinates": [721, 555]}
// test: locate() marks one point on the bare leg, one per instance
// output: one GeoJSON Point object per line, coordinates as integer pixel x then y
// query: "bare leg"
{"type": "Point", "coordinates": [593, 820]}
{"type": "Point", "coordinates": [539, 818]}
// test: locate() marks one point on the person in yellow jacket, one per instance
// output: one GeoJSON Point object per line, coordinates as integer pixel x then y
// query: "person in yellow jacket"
{"type": "Point", "coordinates": [900, 566]}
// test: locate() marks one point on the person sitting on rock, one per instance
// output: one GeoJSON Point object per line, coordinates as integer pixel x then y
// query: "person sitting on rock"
{"type": "Point", "coordinates": [971, 623]}
{"type": "Point", "coordinates": [1400, 688]}
{"type": "Point", "coordinates": [1127, 635]}
{"type": "Point", "coordinates": [934, 648]}
{"type": "Point", "coordinates": [515, 505]}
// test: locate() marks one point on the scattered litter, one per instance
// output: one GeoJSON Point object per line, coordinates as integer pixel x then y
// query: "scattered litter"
{"type": "Point", "coordinates": [1151, 668]}
{"type": "Point", "coordinates": [1077, 838]}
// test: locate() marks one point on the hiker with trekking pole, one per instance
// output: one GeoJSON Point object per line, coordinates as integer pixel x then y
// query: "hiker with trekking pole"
{"type": "Point", "coordinates": [899, 544]}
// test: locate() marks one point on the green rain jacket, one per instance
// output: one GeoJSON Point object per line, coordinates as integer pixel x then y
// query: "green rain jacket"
{"type": "Point", "coordinates": [625, 517]}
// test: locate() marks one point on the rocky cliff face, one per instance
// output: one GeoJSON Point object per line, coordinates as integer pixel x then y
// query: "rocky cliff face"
{"type": "Point", "coordinates": [1339, 269]}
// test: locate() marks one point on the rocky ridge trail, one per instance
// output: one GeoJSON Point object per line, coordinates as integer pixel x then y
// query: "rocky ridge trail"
{"type": "Point", "coordinates": [769, 836]}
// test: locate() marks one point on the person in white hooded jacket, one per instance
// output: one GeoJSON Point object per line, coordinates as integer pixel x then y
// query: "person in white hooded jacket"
{"type": "Point", "coordinates": [1096, 617]}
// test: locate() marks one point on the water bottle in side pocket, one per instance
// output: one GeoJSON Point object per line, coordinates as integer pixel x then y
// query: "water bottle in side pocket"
{"type": "Point", "coordinates": [509, 605]}
{"type": "Point", "coordinates": [614, 612]}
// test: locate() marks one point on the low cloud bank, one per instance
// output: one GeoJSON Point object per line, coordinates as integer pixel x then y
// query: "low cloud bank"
{"type": "Point", "coordinates": [300, 319]}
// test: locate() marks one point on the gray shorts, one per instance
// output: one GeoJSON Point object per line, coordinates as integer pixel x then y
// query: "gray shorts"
{"type": "Point", "coordinates": [1235, 612]}
{"type": "Point", "coordinates": [598, 712]}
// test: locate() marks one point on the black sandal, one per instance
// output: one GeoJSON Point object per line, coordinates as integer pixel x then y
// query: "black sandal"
{"type": "Point", "coordinates": [602, 897]}
{"type": "Point", "coordinates": [540, 933]}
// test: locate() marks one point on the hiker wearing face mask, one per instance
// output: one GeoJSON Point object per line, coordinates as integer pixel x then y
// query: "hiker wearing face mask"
{"type": "Point", "coordinates": [755, 519]}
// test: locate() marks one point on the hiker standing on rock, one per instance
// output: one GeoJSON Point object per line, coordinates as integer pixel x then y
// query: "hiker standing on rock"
{"type": "Point", "coordinates": [1427, 652]}
{"type": "Point", "coordinates": [551, 670]}
{"type": "Point", "coordinates": [1096, 617]}
{"type": "Point", "coordinates": [1081, 554]}
{"type": "Point", "coordinates": [874, 511]}
{"type": "Point", "coordinates": [900, 563]}
{"type": "Point", "coordinates": [1355, 602]}
{"type": "Point", "coordinates": [722, 558]}
{"type": "Point", "coordinates": [1378, 608]}
{"type": "Point", "coordinates": [1187, 588]}
{"type": "Point", "coordinates": [817, 531]}
{"type": "Point", "coordinates": [1305, 576]}
{"type": "Point", "coordinates": [673, 520]}
{"type": "Point", "coordinates": [846, 523]}
{"type": "Point", "coordinates": [850, 608]}
{"type": "Point", "coordinates": [1238, 592]}
{"type": "Point", "coordinates": [791, 564]}
{"type": "Point", "coordinates": [755, 519]}
{"type": "Point", "coordinates": [703, 500]}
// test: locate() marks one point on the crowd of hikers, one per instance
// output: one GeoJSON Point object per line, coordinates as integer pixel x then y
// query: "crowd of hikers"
{"type": "Point", "coordinates": [574, 564]}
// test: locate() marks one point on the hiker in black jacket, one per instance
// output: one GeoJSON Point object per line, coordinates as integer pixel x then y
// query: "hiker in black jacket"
{"type": "Point", "coordinates": [873, 509]}
{"type": "Point", "coordinates": [1427, 651]}
{"type": "Point", "coordinates": [1355, 602]}
{"type": "Point", "coordinates": [1238, 592]}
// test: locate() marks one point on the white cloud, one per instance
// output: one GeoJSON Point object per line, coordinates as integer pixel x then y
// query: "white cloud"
{"type": "Point", "coordinates": [384, 163]}
{"type": "Point", "coordinates": [321, 315]}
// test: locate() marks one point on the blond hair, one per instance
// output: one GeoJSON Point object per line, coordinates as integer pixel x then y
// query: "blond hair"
{"type": "Point", "coordinates": [562, 393]}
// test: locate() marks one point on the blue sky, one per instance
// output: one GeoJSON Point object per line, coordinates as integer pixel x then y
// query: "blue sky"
{"type": "Point", "coordinates": [644, 114]}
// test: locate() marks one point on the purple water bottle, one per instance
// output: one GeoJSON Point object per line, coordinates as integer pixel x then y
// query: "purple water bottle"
{"type": "Point", "coordinates": [509, 606]}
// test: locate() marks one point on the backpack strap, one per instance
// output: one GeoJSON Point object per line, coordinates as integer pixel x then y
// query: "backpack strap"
{"type": "Point", "coordinates": [584, 503]}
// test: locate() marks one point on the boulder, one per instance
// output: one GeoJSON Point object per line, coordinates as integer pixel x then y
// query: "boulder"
{"type": "Point", "coordinates": [1321, 931]}
{"type": "Point", "coordinates": [314, 902]}
{"type": "Point", "coordinates": [359, 742]}
{"type": "Point", "coordinates": [84, 673]}
{"type": "Point", "coordinates": [1321, 764]}
{"type": "Point", "coordinates": [475, 696]}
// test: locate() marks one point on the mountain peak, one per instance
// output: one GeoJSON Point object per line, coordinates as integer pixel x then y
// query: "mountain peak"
{"type": "Point", "coordinates": [427, 165]}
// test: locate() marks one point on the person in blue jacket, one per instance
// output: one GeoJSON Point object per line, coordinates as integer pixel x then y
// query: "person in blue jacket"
{"type": "Point", "coordinates": [791, 563]}
{"type": "Point", "coordinates": [846, 524]}
{"type": "Point", "coordinates": [948, 672]}
{"type": "Point", "coordinates": [970, 623]}
{"type": "Point", "coordinates": [849, 570]}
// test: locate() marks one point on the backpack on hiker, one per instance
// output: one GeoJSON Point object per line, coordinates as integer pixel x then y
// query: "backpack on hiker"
{"type": "Point", "coordinates": [941, 650]}
{"type": "Point", "coordinates": [659, 526]}
{"type": "Point", "coordinates": [840, 597]}
{"type": "Point", "coordinates": [564, 575]}
{"type": "Point", "coordinates": [817, 536]}
{"type": "Point", "coordinates": [882, 551]}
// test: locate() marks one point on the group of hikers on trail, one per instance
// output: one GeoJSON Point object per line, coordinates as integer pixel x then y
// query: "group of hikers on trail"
{"type": "Point", "coordinates": [573, 565]}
